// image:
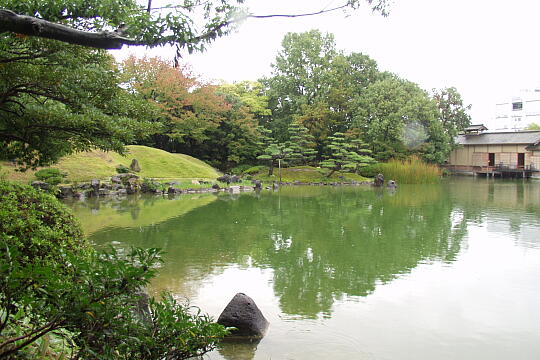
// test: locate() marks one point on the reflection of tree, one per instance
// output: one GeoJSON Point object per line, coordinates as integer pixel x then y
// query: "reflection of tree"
{"type": "Point", "coordinates": [323, 243]}
{"type": "Point", "coordinates": [358, 240]}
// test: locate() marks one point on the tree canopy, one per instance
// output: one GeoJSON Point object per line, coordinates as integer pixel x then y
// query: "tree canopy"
{"type": "Point", "coordinates": [57, 98]}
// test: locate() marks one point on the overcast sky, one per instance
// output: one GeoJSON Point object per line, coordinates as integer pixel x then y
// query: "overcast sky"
{"type": "Point", "coordinates": [487, 49]}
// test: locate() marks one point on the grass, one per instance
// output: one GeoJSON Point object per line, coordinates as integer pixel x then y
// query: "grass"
{"type": "Point", "coordinates": [307, 174]}
{"type": "Point", "coordinates": [411, 171]}
{"type": "Point", "coordinates": [96, 164]}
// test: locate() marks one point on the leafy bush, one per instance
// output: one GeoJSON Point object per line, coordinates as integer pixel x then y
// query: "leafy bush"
{"type": "Point", "coordinates": [240, 169]}
{"type": "Point", "coordinates": [122, 169]}
{"type": "Point", "coordinates": [256, 169]}
{"type": "Point", "coordinates": [36, 224]}
{"type": "Point", "coordinates": [371, 171]}
{"type": "Point", "coordinates": [50, 175]}
{"type": "Point", "coordinates": [51, 281]}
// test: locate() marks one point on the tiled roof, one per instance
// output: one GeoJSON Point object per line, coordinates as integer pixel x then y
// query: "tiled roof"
{"type": "Point", "coordinates": [500, 138]}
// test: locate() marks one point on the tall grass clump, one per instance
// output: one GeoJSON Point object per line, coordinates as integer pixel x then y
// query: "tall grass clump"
{"type": "Point", "coordinates": [411, 171]}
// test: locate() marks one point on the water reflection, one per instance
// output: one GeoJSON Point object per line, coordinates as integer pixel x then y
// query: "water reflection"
{"type": "Point", "coordinates": [321, 243]}
{"type": "Point", "coordinates": [436, 272]}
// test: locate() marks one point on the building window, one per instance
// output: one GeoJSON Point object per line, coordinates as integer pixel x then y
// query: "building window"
{"type": "Point", "coordinates": [517, 105]}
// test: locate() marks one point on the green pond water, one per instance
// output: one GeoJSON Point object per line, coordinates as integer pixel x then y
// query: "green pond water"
{"type": "Point", "coordinates": [449, 271]}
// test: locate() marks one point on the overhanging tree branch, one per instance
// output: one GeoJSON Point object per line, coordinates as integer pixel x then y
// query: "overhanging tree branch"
{"type": "Point", "coordinates": [31, 26]}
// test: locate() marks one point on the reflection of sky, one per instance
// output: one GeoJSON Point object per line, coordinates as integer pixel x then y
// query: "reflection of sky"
{"type": "Point", "coordinates": [482, 306]}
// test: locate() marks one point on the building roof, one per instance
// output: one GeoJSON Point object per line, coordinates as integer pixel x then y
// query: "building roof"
{"type": "Point", "coordinates": [479, 127]}
{"type": "Point", "coordinates": [501, 138]}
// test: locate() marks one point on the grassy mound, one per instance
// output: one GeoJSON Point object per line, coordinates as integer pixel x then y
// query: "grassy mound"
{"type": "Point", "coordinates": [96, 164]}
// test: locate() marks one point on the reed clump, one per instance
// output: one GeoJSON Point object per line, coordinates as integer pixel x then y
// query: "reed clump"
{"type": "Point", "coordinates": [411, 171]}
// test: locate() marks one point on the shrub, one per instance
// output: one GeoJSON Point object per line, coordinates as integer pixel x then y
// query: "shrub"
{"type": "Point", "coordinates": [370, 171]}
{"type": "Point", "coordinates": [36, 224]}
{"type": "Point", "coordinates": [122, 169]}
{"type": "Point", "coordinates": [51, 281]}
{"type": "Point", "coordinates": [256, 169]}
{"type": "Point", "coordinates": [240, 169]}
{"type": "Point", "coordinates": [50, 175]}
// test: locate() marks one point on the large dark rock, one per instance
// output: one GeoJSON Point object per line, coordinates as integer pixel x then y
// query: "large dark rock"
{"type": "Point", "coordinates": [243, 314]}
{"type": "Point", "coordinates": [65, 192]}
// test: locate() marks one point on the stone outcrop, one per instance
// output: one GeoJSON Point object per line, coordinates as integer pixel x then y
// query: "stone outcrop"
{"type": "Point", "coordinates": [134, 166]}
{"type": "Point", "coordinates": [243, 314]}
{"type": "Point", "coordinates": [379, 180]}
{"type": "Point", "coordinates": [229, 179]}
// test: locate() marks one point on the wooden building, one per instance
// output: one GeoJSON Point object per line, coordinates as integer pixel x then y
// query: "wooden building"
{"type": "Point", "coordinates": [515, 154]}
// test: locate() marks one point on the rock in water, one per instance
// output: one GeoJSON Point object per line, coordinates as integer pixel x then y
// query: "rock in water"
{"type": "Point", "coordinates": [379, 180]}
{"type": "Point", "coordinates": [135, 165]}
{"type": "Point", "coordinates": [243, 314]}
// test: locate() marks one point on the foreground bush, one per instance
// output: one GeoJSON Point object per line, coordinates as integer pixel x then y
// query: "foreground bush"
{"type": "Point", "coordinates": [52, 282]}
{"type": "Point", "coordinates": [411, 171]}
{"type": "Point", "coordinates": [50, 175]}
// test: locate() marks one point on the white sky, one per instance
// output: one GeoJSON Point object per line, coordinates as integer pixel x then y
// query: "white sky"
{"type": "Point", "coordinates": [487, 49]}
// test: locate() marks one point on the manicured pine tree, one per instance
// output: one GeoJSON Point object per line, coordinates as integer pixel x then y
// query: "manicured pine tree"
{"type": "Point", "coordinates": [272, 151]}
{"type": "Point", "coordinates": [346, 155]}
{"type": "Point", "coordinates": [301, 143]}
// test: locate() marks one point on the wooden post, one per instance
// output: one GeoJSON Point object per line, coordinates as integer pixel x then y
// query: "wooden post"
{"type": "Point", "coordinates": [279, 164]}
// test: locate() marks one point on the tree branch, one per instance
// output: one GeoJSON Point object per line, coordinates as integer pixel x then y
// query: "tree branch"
{"type": "Point", "coordinates": [27, 25]}
{"type": "Point", "coordinates": [32, 26]}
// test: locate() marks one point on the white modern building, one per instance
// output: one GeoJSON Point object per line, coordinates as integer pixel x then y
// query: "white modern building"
{"type": "Point", "coordinates": [517, 112]}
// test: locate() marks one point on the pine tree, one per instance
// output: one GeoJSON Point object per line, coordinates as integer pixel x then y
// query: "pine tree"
{"type": "Point", "coordinates": [301, 143]}
{"type": "Point", "coordinates": [346, 155]}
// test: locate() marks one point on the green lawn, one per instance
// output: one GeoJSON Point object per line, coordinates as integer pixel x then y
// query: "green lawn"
{"type": "Point", "coordinates": [96, 164]}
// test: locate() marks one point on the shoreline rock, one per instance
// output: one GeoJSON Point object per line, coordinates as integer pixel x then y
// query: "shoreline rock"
{"type": "Point", "coordinates": [243, 314]}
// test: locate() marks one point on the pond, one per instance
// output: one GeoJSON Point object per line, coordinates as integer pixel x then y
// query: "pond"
{"type": "Point", "coordinates": [448, 271]}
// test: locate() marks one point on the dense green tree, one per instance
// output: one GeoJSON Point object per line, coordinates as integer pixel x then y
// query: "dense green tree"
{"type": "Point", "coordinates": [453, 114]}
{"type": "Point", "coordinates": [301, 71]}
{"type": "Point", "coordinates": [248, 94]}
{"type": "Point", "coordinates": [315, 84]}
{"type": "Point", "coordinates": [56, 99]}
{"type": "Point", "coordinates": [395, 116]}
